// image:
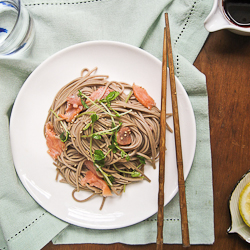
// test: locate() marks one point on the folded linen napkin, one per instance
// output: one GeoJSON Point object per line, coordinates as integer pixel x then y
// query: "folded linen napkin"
{"type": "Point", "coordinates": [59, 24]}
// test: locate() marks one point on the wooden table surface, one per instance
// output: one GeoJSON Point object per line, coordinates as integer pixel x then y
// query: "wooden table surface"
{"type": "Point", "coordinates": [225, 60]}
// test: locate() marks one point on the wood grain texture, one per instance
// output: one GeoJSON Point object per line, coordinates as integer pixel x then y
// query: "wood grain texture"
{"type": "Point", "coordinates": [160, 214]}
{"type": "Point", "coordinates": [225, 60]}
{"type": "Point", "coordinates": [178, 146]}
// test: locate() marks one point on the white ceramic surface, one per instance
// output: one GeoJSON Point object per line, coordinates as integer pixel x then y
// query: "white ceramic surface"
{"type": "Point", "coordinates": [217, 20]}
{"type": "Point", "coordinates": [238, 225]}
{"type": "Point", "coordinates": [35, 167]}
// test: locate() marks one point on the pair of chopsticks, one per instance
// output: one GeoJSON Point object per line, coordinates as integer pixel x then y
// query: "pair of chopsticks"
{"type": "Point", "coordinates": [168, 56]}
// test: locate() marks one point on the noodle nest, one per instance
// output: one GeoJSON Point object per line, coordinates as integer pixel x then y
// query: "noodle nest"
{"type": "Point", "coordinates": [122, 165]}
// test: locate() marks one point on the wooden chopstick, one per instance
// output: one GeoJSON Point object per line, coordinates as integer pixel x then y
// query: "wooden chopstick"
{"type": "Point", "coordinates": [160, 215]}
{"type": "Point", "coordinates": [181, 181]}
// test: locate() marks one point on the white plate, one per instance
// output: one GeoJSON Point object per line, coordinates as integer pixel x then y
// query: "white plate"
{"type": "Point", "coordinates": [34, 166]}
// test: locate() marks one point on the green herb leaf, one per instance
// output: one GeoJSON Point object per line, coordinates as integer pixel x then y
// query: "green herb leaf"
{"type": "Point", "coordinates": [111, 178]}
{"type": "Point", "coordinates": [94, 118]}
{"type": "Point", "coordinates": [80, 94]}
{"type": "Point", "coordinates": [112, 125]}
{"type": "Point", "coordinates": [135, 174]}
{"type": "Point", "coordinates": [97, 137]}
{"type": "Point", "coordinates": [100, 163]}
{"type": "Point", "coordinates": [87, 126]}
{"type": "Point", "coordinates": [98, 155]}
{"type": "Point", "coordinates": [113, 148]}
{"type": "Point", "coordinates": [84, 104]}
{"type": "Point", "coordinates": [112, 95]}
{"type": "Point", "coordinates": [64, 138]}
{"type": "Point", "coordinates": [124, 154]}
{"type": "Point", "coordinates": [141, 159]}
{"type": "Point", "coordinates": [127, 158]}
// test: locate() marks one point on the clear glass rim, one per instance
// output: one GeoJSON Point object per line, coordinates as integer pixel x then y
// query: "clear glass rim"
{"type": "Point", "coordinates": [17, 5]}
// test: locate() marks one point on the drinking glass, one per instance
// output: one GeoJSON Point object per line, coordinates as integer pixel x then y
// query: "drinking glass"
{"type": "Point", "coordinates": [16, 27]}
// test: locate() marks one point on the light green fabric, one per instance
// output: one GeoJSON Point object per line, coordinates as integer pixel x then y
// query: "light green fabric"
{"type": "Point", "coordinates": [24, 224]}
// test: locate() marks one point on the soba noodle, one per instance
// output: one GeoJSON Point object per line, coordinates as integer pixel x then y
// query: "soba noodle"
{"type": "Point", "coordinates": [122, 165]}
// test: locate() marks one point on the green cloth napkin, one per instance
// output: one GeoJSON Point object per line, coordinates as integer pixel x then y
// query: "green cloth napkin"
{"type": "Point", "coordinates": [59, 24]}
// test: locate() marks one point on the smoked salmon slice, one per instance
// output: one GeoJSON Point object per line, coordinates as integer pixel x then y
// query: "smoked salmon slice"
{"type": "Point", "coordinates": [98, 94]}
{"type": "Point", "coordinates": [74, 107]}
{"type": "Point", "coordinates": [143, 97]}
{"type": "Point", "coordinates": [123, 136]}
{"type": "Point", "coordinates": [74, 104]}
{"type": "Point", "coordinates": [94, 181]}
{"type": "Point", "coordinates": [90, 166]}
{"type": "Point", "coordinates": [55, 145]}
